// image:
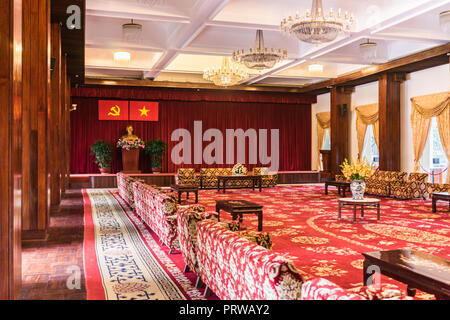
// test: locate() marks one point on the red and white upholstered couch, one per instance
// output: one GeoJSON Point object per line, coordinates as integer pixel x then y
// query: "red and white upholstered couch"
{"type": "Point", "coordinates": [158, 209]}
{"type": "Point", "coordinates": [235, 268]}
{"type": "Point", "coordinates": [125, 185]}
{"type": "Point", "coordinates": [187, 219]}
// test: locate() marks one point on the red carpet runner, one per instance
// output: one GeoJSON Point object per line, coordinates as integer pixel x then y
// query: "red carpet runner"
{"type": "Point", "coordinates": [122, 259]}
{"type": "Point", "coordinates": [304, 227]}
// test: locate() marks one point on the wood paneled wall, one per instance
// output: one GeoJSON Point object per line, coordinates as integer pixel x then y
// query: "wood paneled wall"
{"type": "Point", "coordinates": [54, 115]}
{"type": "Point", "coordinates": [33, 115]}
{"type": "Point", "coordinates": [10, 144]}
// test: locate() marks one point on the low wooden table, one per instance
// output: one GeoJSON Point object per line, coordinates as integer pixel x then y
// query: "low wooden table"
{"type": "Point", "coordinates": [180, 188]}
{"type": "Point", "coordinates": [419, 270]}
{"type": "Point", "coordinates": [224, 179]}
{"type": "Point", "coordinates": [440, 196]}
{"type": "Point", "coordinates": [239, 208]}
{"type": "Point", "coordinates": [341, 185]}
{"type": "Point", "coordinates": [369, 203]}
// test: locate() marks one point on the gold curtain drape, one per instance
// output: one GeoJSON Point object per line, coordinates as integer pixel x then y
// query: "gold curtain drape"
{"type": "Point", "coordinates": [423, 109]}
{"type": "Point", "coordinates": [367, 115]}
{"type": "Point", "coordinates": [323, 123]}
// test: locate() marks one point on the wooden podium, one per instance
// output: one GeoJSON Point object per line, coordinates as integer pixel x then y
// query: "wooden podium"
{"type": "Point", "coordinates": [130, 161]}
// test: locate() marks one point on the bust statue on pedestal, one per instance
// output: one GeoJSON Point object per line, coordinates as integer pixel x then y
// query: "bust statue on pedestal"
{"type": "Point", "coordinates": [130, 134]}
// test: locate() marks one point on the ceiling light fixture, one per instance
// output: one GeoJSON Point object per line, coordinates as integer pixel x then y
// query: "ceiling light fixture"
{"type": "Point", "coordinates": [131, 32]}
{"type": "Point", "coordinates": [122, 58]}
{"type": "Point", "coordinates": [259, 57]}
{"type": "Point", "coordinates": [228, 74]}
{"type": "Point", "coordinates": [368, 51]}
{"type": "Point", "coordinates": [444, 20]}
{"type": "Point", "coordinates": [315, 67]}
{"type": "Point", "coordinates": [316, 26]}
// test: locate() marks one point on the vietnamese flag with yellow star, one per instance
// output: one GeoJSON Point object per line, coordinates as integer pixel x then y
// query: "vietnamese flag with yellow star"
{"type": "Point", "coordinates": [144, 110]}
{"type": "Point", "coordinates": [112, 110]}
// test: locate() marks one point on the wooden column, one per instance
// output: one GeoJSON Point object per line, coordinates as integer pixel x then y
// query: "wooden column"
{"type": "Point", "coordinates": [62, 128]}
{"type": "Point", "coordinates": [389, 117]}
{"type": "Point", "coordinates": [54, 151]}
{"type": "Point", "coordinates": [340, 138]}
{"type": "Point", "coordinates": [68, 107]}
{"type": "Point", "coordinates": [10, 144]}
{"type": "Point", "coordinates": [36, 86]}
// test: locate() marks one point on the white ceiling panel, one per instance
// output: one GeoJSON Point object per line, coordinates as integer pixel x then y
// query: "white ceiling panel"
{"type": "Point", "coordinates": [181, 38]}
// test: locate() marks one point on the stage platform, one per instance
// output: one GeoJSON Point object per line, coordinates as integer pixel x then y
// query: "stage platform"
{"type": "Point", "coordinates": [166, 179]}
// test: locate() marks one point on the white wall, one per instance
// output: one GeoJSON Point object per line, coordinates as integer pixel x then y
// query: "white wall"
{"type": "Point", "coordinates": [429, 81]}
{"type": "Point", "coordinates": [322, 105]}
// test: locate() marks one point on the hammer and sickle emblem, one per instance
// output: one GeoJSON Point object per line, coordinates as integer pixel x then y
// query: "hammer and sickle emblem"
{"type": "Point", "coordinates": [115, 111]}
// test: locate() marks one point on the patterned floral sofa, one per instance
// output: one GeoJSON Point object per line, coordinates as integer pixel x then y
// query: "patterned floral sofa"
{"type": "Point", "coordinates": [187, 176]}
{"type": "Point", "coordinates": [268, 179]}
{"type": "Point", "coordinates": [435, 187]}
{"type": "Point", "coordinates": [187, 219]}
{"type": "Point", "coordinates": [158, 209]}
{"type": "Point", "coordinates": [380, 183]}
{"type": "Point", "coordinates": [125, 185]}
{"type": "Point", "coordinates": [209, 178]}
{"type": "Point", "coordinates": [322, 289]}
{"type": "Point", "coordinates": [237, 269]}
{"type": "Point", "coordinates": [414, 188]}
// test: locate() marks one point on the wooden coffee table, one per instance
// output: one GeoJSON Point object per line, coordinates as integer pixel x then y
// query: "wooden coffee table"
{"type": "Point", "coordinates": [341, 185]}
{"type": "Point", "coordinates": [224, 179]}
{"type": "Point", "coordinates": [440, 196]}
{"type": "Point", "coordinates": [366, 203]}
{"type": "Point", "coordinates": [180, 188]}
{"type": "Point", "coordinates": [419, 270]}
{"type": "Point", "coordinates": [239, 208]}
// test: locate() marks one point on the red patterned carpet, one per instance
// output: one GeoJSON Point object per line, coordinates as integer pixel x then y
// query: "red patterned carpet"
{"type": "Point", "coordinates": [304, 227]}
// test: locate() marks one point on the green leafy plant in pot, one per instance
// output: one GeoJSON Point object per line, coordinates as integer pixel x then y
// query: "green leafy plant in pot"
{"type": "Point", "coordinates": [102, 152]}
{"type": "Point", "coordinates": [155, 149]}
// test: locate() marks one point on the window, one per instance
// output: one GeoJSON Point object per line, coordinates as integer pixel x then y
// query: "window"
{"type": "Point", "coordinates": [434, 161]}
{"type": "Point", "coordinates": [326, 145]}
{"type": "Point", "coordinates": [370, 149]}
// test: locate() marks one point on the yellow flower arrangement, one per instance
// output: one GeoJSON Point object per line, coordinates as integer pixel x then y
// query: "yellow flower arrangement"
{"type": "Point", "coordinates": [358, 170]}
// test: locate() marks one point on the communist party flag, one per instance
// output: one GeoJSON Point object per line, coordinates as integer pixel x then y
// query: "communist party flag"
{"type": "Point", "coordinates": [144, 110]}
{"type": "Point", "coordinates": [112, 110]}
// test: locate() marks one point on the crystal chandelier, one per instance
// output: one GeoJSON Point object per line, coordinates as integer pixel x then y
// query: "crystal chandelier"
{"type": "Point", "coordinates": [444, 20]}
{"type": "Point", "coordinates": [259, 57]}
{"type": "Point", "coordinates": [131, 32]}
{"type": "Point", "coordinates": [317, 26]}
{"type": "Point", "coordinates": [368, 50]}
{"type": "Point", "coordinates": [227, 74]}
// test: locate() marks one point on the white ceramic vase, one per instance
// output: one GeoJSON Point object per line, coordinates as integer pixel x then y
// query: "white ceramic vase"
{"type": "Point", "coordinates": [358, 187]}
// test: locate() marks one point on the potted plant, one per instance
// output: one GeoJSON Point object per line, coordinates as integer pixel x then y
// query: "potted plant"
{"type": "Point", "coordinates": [102, 152]}
{"type": "Point", "coordinates": [357, 173]}
{"type": "Point", "coordinates": [155, 149]}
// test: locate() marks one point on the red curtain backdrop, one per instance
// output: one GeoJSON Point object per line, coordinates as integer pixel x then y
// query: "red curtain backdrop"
{"type": "Point", "coordinates": [293, 121]}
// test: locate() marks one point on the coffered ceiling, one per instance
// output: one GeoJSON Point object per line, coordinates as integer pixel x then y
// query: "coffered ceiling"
{"type": "Point", "coordinates": [180, 38]}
